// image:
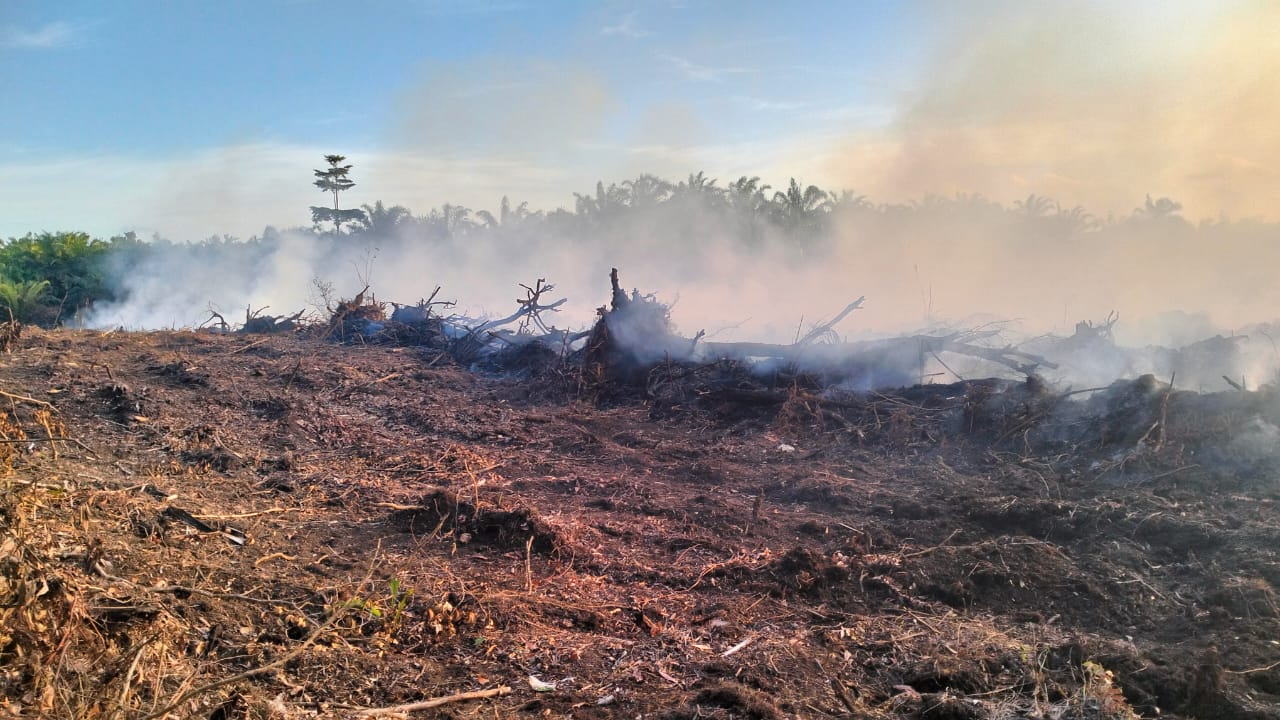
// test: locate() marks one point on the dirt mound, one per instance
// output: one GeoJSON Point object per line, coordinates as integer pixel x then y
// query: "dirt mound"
{"type": "Point", "coordinates": [442, 511]}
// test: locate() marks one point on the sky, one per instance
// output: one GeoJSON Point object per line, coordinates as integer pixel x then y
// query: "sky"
{"type": "Point", "coordinates": [193, 119]}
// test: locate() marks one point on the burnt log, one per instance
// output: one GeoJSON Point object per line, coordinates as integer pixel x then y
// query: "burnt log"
{"type": "Point", "coordinates": [255, 323]}
{"type": "Point", "coordinates": [635, 333]}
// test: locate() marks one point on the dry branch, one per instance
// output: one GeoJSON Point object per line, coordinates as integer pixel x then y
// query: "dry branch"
{"type": "Point", "coordinates": [476, 339]}
{"type": "Point", "coordinates": [20, 441]}
{"type": "Point", "coordinates": [436, 702]}
{"type": "Point", "coordinates": [222, 325]}
{"type": "Point", "coordinates": [830, 324]}
{"type": "Point", "coordinates": [24, 398]}
{"type": "Point", "coordinates": [529, 307]}
{"type": "Point", "coordinates": [740, 646]}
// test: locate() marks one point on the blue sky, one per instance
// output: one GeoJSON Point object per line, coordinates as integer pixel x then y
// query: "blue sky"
{"type": "Point", "coordinates": [196, 118]}
{"type": "Point", "coordinates": [155, 77]}
{"type": "Point", "coordinates": [129, 91]}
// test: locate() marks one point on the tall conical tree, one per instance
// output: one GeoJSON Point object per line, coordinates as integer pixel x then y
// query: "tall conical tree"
{"type": "Point", "coordinates": [334, 179]}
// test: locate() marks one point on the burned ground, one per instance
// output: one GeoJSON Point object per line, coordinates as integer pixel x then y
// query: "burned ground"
{"type": "Point", "coordinates": [254, 527]}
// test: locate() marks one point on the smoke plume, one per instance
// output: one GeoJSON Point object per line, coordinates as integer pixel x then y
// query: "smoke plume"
{"type": "Point", "coordinates": [1090, 103]}
{"type": "Point", "coordinates": [1050, 164]}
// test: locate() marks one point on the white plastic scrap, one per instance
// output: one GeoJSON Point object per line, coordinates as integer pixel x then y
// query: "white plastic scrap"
{"type": "Point", "coordinates": [540, 685]}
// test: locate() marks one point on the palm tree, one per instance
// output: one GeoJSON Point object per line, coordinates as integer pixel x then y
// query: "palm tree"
{"type": "Point", "coordinates": [1035, 206]}
{"type": "Point", "coordinates": [606, 204]}
{"type": "Point", "coordinates": [457, 219]}
{"type": "Point", "coordinates": [507, 216]}
{"type": "Point", "coordinates": [749, 208]}
{"type": "Point", "coordinates": [847, 200]}
{"type": "Point", "coordinates": [932, 204]}
{"type": "Point", "coordinates": [647, 190]}
{"type": "Point", "coordinates": [1077, 220]}
{"type": "Point", "coordinates": [698, 191]}
{"type": "Point", "coordinates": [447, 222]}
{"type": "Point", "coordinates": [697, 184]}
{"type": "Point", "coordinates": [1159, 209]}
{"type": "Point", "coordinates": [18, 299]}
{"type": "Point", "coordinates": [381, 220]}
{"type": "Point", "coordinates": [799, 207]}
{"type": "Point", "coordinates": [977, 207]}
{"type": "Point", "coordinates": [746, 194]}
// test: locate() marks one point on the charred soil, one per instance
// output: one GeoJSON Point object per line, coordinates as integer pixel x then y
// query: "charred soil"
{"type": "Point", "coordinates": [224, 526]}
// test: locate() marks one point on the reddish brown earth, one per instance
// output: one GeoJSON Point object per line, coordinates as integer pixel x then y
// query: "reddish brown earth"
{"type": "Point", "coordinates": [274, 527]}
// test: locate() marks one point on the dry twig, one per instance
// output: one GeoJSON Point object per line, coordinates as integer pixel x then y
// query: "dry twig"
{"type": "Point", "coordinates": [24, 398]}
{"type": "Point", "coordinates": [436, 702]}
{"type": "Point", "coordinates": [749, 639]}
{"type": "Point", "coordinates": [1254, 670]}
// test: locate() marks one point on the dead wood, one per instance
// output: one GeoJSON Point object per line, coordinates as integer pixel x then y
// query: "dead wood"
{"type": "Point", "coordinates": [437, 702]}
{"type": "Point", "coordinates": [255, 323]}
{"type": "Point", "coordinates": [353, 318]}
{"type": "Point", "coordinates": [254, 672]}
{"type": "Point", "coordinates": [489, 336]}
{"type": "Point", "coordinates": [221, 325]}
{"type": "Point", "coordinates": [422, 312]}
{"type": "Point", "coordinates": [10, 331]}
{"type": "Point", "coordinates": [890, 362]}
{"type": "Point", "coordinates": [530, 307]}
{"type": "Point", "coordinates": [828, 326]}
{"type": "Point", "coordinates": [636, 332]}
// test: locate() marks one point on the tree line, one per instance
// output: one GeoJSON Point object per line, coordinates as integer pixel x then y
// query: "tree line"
{"type": "Point", "coordinates": [49, 277]}
{"type": "Point", "coordinates": [796, 216]}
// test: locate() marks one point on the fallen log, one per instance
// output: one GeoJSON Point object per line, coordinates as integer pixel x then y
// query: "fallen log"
{"type": "Point", "coordinates": [636, 331]}
{"type": "Point", "coordinates": [829, 326]}
{"type": "Point", "coordinates": [255, 323]}
{"type": "Point", "coordinates": [899, 360]}
{"type": "Point", "coordinates": [421, 312]}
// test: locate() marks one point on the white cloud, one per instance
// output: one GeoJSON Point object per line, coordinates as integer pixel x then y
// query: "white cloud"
{"type": "Point", "coordinates": [701, 73]}
{"type": "Point", "coordinates": [52, 35]}
{"type": "Point", "coordinates": [765, 105]}
{"type": "Point", "coordinates": [625, 27]}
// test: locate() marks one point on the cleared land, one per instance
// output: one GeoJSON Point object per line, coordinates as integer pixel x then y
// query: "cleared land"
{"type": "Point", "coordinates": [276, 527]}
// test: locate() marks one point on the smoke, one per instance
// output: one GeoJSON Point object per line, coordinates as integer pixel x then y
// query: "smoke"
{"type": "Point", "coordinates": [937, 265]}
{"type": "Point", "coordinates": [176, 286]}
{"type": "Point", "coordinates": [1091, 103]}
{"type": "Point", "coordinates": [1088, 115]}
{"type": "Point", "coordinates": [1101, 108]}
